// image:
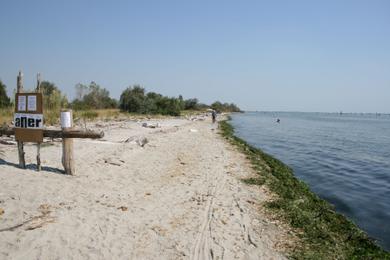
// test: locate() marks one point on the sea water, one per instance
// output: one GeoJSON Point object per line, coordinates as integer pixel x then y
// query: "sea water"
{"type": "Point", "coordinates": [345, 159]}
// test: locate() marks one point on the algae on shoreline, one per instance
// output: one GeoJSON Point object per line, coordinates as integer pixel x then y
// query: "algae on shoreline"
{"type": "Point", "coordinates": [324, 233]}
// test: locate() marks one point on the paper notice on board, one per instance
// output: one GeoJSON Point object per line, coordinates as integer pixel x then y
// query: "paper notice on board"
{"type": "Point", "coordinates": [32, 103]}
{"type": "Point", "coordinates": [21, 103]}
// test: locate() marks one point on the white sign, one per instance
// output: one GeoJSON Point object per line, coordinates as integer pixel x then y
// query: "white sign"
{"type": "Point", "coordinates": [21, 103]}
{"type": "Point", "coordinates": [32, 103]}
{"type": "Point", "coordinates": [30, 121]}
{"type": "Point", "coordinates": [65, 120]}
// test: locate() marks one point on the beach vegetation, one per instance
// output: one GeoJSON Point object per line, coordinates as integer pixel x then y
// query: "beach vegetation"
{"type": "Point", "coordinates": [225, 107]}
{"type": "Point", "coordinates": [93, 101]}
{"type": "Point", "coordinates": [323, 233]}
{"type": "Point", "coordinates": [5, 101]}
{"type": "Point", "coordinates": [53, 101]}
{"type": "Point", "coordinates": [92, 96]}
{"type": "Point", "coordinates": [52, 96]}
{"type": "Point", "coordinates": [191, 104]}
{"type": "Point", "coordinates": [136, 100]}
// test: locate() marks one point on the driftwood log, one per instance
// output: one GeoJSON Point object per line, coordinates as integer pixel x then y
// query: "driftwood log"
{"type": "Point", "coordinates": [51, 133]}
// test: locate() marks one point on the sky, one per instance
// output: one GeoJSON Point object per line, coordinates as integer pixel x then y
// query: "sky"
{"type": "Point", "coordinates": [311, 56]}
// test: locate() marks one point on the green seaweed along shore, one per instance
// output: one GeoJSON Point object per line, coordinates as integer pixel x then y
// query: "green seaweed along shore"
{"type": "Point", "coordinates": [321, 231]}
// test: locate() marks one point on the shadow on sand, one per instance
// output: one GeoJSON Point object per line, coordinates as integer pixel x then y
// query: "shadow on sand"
{"type": "Point", "coordinates": [33, 167]}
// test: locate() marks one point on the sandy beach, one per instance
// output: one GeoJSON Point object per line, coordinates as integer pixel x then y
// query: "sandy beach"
{"type": "Point", "coordinates": [179, 196]}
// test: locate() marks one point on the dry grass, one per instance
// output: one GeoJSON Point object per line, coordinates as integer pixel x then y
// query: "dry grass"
{"type": "Point", "coordinates": [192, 112]}
{"type": "Point", "coordinates": [52, 117]}
{"type": "Point", "coordinates": [6, 115]}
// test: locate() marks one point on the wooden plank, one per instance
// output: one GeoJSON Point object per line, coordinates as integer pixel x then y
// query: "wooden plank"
{"type": "Point", "coordinates": [33, 135]}
{"type": "Point", "coordinates": [51, 133]}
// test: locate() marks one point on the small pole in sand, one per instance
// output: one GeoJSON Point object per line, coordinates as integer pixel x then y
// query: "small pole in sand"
{"type": "Point", "coordinates": [67, 143]}
{"type": "Point", "coordinates": [22, 162]}
{"type": "Point", "coordinates": [38, 90]}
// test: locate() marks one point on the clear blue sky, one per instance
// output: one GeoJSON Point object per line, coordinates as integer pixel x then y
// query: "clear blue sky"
{"type": "Point", "coordinates": [329, 55]}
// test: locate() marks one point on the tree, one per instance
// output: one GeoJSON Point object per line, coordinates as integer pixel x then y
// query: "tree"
{"type": "Point", "coordinates": [135, 99]}
{"type": "Point", "coordinates": [168, 106]}
{"type": "Point", "coordinates": [81, 91]}
{"type": "Point", "coordinates": [132, 99]}
{"type": "Point", "coordinates": [4, 99]}
{"type": "Point", "coordinates": [217, 106]}
{"type": "Point", "coordinates": [191, 103]}
{"type": "Point", "coordinates": [93, 97]}
{"type": "Point", "coordinates": [52, 96]}
{"type": "Point", "coordinates": [225, 107]}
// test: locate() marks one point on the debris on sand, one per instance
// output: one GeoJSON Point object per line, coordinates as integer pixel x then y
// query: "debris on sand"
{"type": "Point", "coordinates": [7, 142]}
{"type": "Point", "coordinates": [149, 125]}
{"type": "Point", "coordinates": [114, 161]}
{"type": "Point", "coordinates": [142, 141]}
{"type": "Point", "coordinates": [36, 221]}
{"type": "Point", "coordinates": [128, 140]}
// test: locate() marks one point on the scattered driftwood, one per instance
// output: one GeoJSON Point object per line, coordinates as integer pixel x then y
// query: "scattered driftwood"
{"type": "Point", "coordinates": [114, 161]}
{"type": "Point", "coordinates": [7, 142]}
{"type": "Point", "coordinates": [59, 133]}
{"type": "Point", "coordinates": [36, 221]}
{"type": "Point", "coordinates": [128, 140]}
{"type": "Point", "coordinates": [156, 125]}
{"type": "Point", "coordinates": [142, 141]}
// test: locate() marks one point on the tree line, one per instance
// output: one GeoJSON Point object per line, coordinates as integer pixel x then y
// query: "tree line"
{"type": "Point", "coordinates": [133, 99]}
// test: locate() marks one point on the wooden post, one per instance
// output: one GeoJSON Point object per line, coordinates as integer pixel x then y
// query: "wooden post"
{"type": "Point", "coordinates": [22, 162]}
{"type": "Point", "coordinates": [38, 89]}
{"type": "Point", "coordinates": [38, 156]}
{"type": "Point", "coordinates": [67, 143]}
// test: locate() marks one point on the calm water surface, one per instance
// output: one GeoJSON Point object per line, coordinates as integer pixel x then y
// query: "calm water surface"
{"type": "Point", "coordinates": [344, 158]}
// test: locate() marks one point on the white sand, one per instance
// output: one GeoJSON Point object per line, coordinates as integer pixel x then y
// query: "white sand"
{"type": "Point", "coordinates": [178, 197]}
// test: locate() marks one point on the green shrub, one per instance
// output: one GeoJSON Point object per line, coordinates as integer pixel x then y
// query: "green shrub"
{"type": "Point", "coordinates": [225, 107]}
{"type": "Point", "coordinates": [136, 100]}
{"type": "Point", "coordinates": [4, 99]}
{"type": "Point", "coordinates": [53, 99]}
{"type": "Point", "coordinates": [93, 97]}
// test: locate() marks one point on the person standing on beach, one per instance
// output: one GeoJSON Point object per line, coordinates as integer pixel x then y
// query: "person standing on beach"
{"type": "Point", "coordinates": [214, 115]}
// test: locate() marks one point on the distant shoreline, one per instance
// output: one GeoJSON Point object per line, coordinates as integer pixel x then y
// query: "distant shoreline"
{"type": "Point", "coordinates": [317, 112]}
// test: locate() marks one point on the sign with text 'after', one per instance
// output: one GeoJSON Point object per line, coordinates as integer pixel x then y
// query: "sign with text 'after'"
{"type": "Point", "coordinates": [28, 117]}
